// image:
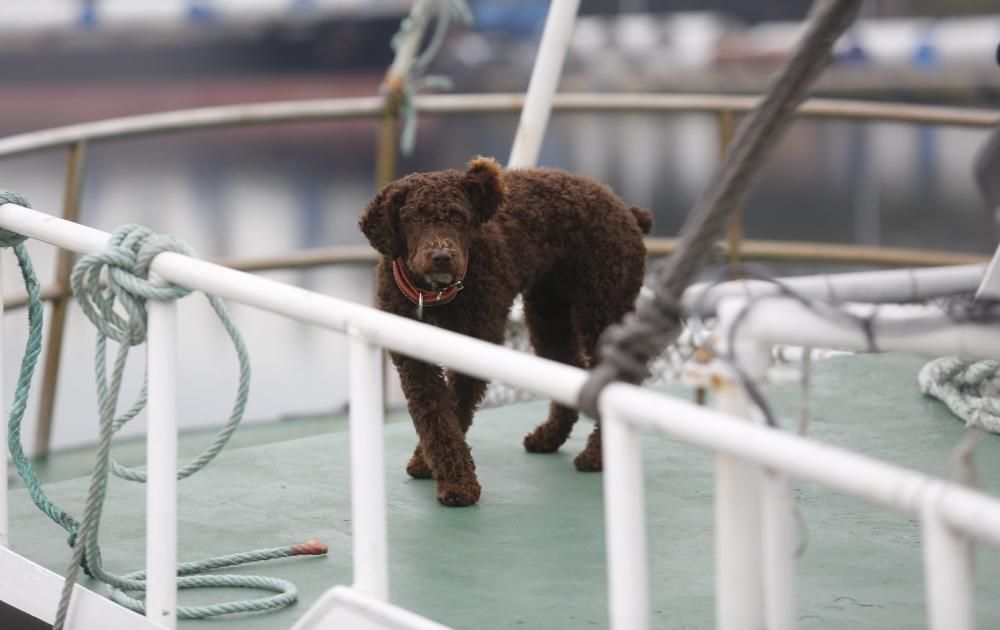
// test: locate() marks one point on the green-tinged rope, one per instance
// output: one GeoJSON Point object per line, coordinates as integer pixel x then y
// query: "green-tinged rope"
{"type": "Point", "coordinates": [124, 266]}
{"type": "Point", "coordinates": [448, 12]}
{"type": "Point", "coordinates": [31, 351]}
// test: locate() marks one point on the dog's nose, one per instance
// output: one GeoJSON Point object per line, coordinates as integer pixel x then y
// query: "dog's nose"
{"type": "Point", "coordinates": [440, 257]}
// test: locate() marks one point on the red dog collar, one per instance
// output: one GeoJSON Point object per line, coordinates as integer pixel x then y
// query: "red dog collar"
{"type": "Point", "coordinates": [425, 298]}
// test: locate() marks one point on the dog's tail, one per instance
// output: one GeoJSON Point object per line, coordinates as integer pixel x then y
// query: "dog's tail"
{"type": "Point", "coordinates": [643, 217]}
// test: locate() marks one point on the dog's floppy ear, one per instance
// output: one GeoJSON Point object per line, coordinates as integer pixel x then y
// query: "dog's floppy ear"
{"type": "Point", "coordinates": [484, 187]}
{"type": "Point", "coordinates": [380, 221]}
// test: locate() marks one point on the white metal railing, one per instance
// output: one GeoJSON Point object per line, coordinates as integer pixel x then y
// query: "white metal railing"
{"type": "Point", "coordinates": [891, 285]}
{"type": "Point", "coordinates": [753, 461]}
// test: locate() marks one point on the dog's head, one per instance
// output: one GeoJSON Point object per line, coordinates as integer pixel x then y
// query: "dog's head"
{"type": "Point", "coordinates": [429, 219]}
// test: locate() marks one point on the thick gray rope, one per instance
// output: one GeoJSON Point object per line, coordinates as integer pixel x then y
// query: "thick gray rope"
{"type": "Point", "coordinates": [627, 349]}
{"type": "Point", "coordinates": [970, 389]}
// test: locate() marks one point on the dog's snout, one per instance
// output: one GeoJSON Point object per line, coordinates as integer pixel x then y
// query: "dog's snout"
{"type": "Point", "coordinates": [441, 257]}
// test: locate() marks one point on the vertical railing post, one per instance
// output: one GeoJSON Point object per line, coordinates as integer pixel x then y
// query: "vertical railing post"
{"type": "Point", "coordinates": [778, 550]}
{"type": "Point", "coordinates": [161, 461]}
{"type": "Point", "coordinates": [368, 509]}
{"type": "Point", "coordinates": [755, 557]}
{"type": "Point", "coordinates": [734, 233]}
{"type": "Point", "coordinates": [72, 193]}
{"type": "Point", "coordinates": [739, 493]}
{"type": "Point", "coordinates": [948, 574]}
{"type": "Point", "coordinates": [739, 593]}
{"type": "Point", "coordinates": [625, 523]}
{"type": "Point", "coordinates": [543, 83]}
{"type": "Point", "coordinates": [4, 518]}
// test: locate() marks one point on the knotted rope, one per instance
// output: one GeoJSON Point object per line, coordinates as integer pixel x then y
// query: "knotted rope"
{"type": "Point", "coordinates": [124, 268]}
{"type": "Point", "coordinates": [414, 80]}
{"type": "Point", "coordinates": [971, 389]}
{"type": "Point", "coordinates": [627, 349]}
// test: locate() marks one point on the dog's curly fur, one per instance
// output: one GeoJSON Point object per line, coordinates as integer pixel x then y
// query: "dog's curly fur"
{"type": "Point", "coordinates": [566, 242]}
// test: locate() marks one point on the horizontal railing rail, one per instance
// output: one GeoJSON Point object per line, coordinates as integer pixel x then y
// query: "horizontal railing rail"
{"type": "Point", "coordinates": [319, 110]}
{"type": "Point", "coordinates": [655, 247]}
{"type": "Point", "coordinates": [962, 511]}
{"type": "Point", "coordinates": [892, 285]}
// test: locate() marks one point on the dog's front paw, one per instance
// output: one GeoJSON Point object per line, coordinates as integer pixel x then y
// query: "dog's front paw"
{"type": "Point", "coordinates": [417, 467]}
{"type": "Point", "coordinates": [589, 460]}
{"type": "Point", "coordinates": [457, 493]}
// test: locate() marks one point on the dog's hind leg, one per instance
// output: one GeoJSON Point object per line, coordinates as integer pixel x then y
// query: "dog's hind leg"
{"type": "Point", "coordinates": [592, 319]}
{"type": "Point", "coordinates": [468, 393]}
{"type": "Point", "coordinates": [553, 336]}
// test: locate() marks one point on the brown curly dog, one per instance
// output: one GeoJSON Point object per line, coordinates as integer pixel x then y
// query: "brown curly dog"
{"type": "Point", "coordinates": [456, 250]}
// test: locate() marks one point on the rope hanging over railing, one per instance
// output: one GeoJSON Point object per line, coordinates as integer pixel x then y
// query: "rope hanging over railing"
{"type": "Point", "coordinates": [627, 349]}
{"type": "Point", "coordinates": [407, 75]}
{"type": "Point", "coordinates": [124, 269]}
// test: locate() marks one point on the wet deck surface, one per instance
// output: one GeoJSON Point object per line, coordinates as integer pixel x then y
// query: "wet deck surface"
{"type": "Point", "coordinates": [531, 553]}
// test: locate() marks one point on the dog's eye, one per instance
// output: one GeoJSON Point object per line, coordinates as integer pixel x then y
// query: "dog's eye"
{"type": "Point", "coordinates": [456, 217]}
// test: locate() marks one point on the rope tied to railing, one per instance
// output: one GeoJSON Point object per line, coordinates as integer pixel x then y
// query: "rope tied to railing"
{"type": "Point", "coordinates": [626, 349]}
{"type": "Point", "coordinates": [8, 238]}
{"type": "Point", "coordinates": [404, 83]}
{"type": "Point", "coordinates": [120, 275]}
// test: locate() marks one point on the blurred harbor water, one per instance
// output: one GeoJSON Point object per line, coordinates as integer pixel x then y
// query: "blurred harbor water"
{"type": "Point", "coordinates": [263, 191]}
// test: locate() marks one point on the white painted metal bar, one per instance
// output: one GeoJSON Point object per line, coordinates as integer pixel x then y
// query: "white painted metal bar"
{"type": "Point", "coordinates": [775, 571]}
{"type": "Point", "coordinates": [948, 572]}
{"type": "Point", "coordinates": [347, 608]}
{"type": "Point", "coordinates": [543, 84]}
{"type": "Point", "coordinates": [30, 587]}
{"type": "Point", "coordinates": [368, 503]}
{"type": "Point", "coordinates": [5, 490]}
{"type": "Point", "coordinates": [161, 458]}
{"type": "Point", "coordinates": [778, 551]}
{"type": "Point", "coordinates": [896, 285]}
{"type": "Point", "coordinates": [969, 511]}
{"type": "Point", "coordinates": [441, 104]}
{"type": "Point", "coordinates": [779, 321]}
{"type": "Point", "coordinates": [625, 524]}
{"type": "Point", "coordinates": [739, 592]}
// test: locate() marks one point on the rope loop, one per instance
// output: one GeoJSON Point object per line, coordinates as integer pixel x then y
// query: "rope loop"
{"type": "Point", "coordinates": [8, 238]}
{"type": "Point", "coordinates": [970, 389]}
{"type": "Point", "coordinates": [124, 269]}
{"type": "Point", "coordinates": [120, 273]}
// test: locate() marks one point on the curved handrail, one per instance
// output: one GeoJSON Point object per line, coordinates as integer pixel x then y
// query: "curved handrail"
{"type": "Point", "coordinates": [448, 104]}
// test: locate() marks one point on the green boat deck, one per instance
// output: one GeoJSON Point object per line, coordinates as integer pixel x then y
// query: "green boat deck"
{"type": "Point", "coordinates": [531, 553]}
